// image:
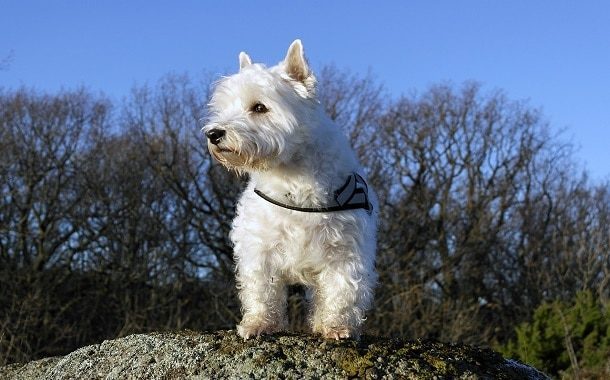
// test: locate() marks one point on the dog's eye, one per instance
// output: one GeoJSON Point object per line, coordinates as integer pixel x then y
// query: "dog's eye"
{"type": "Point", "coordinates": [259, 108]}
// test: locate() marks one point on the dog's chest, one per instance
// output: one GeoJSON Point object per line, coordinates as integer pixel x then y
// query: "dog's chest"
{"type": "Point", "coordinates": [295, 245]}
{"type": "Point", "coordinates": [291, 232]}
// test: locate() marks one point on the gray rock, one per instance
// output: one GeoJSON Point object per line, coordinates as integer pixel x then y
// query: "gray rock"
{"type": "Point", "coordinates": [222, 354]}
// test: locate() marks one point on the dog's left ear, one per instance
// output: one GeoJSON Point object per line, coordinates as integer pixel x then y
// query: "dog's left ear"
{"type": "Point", "coordinates": [244, 60]}
{"type": "Point", "coordinates": [297, 68]}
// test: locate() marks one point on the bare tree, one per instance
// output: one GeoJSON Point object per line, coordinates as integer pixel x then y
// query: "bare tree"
{"type": "Point", "coordinates": [467, 246]}
{"type": "Point", "coordinates": [115, 220]}
{"type": "Point", "coordinates": [39, 214]}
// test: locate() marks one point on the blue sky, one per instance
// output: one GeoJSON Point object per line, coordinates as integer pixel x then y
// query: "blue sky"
{"type": "Point", "coordinates": [554, 53]}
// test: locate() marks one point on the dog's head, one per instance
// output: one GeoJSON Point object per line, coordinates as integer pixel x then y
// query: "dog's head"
{"type": "Point", "coordinates": [259, 117]}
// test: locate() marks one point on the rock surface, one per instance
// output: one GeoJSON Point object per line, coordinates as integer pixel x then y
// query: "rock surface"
{"type": "Point", "coordinates": [223, 354]}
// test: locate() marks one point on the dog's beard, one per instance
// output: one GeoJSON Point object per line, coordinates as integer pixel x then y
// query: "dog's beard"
{"type": "Point", "coordinates": [237, 160]}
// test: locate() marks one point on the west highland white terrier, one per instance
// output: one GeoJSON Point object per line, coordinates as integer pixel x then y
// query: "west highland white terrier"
{"type": "Point", "coordinates": [307, 215]}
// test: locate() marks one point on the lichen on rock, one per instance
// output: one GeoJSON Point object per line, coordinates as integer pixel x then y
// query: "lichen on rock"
{"type": "Point", "coordinates": [223, 354]}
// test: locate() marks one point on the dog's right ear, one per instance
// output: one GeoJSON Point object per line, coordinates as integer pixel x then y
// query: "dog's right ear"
{"type": "Point", "coordinates": [297, 68]}
{"type": "Point", "coordinates": [244, 60]}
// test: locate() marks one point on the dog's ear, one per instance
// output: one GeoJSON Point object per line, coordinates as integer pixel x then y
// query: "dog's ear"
{"type": "Point", "coordinates": [297, 68]}
{"type": "Point", "coordinates": [295, 63]}
{"type": "Point", "coordinates": [244, 60]}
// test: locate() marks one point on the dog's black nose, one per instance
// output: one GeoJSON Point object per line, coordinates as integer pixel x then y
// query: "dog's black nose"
{"type": "Point", "coordinates": [215, 135]}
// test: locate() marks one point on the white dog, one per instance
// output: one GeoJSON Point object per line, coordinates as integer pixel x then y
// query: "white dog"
{"type": "Point", "coordinates": [307, 215]}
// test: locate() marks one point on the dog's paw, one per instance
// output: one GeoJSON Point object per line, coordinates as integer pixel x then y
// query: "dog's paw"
{"type": "Point", "coordinates": [337, 333]}
{"type": "Point", "coordinates": [252, 330]}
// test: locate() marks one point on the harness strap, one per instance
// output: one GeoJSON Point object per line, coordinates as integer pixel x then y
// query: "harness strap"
{"type": "Point", "coordinates": [352, 195]}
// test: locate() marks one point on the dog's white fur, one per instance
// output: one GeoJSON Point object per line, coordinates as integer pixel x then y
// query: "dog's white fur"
{"type": "Point", "coordinates": [295, 154]}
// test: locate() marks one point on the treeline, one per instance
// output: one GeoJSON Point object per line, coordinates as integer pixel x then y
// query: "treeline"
{"type": "Point", "coordinates": [114, 219]}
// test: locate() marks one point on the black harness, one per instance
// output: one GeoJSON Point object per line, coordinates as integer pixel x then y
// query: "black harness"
{"type": "Point", "coordinates": [354, 194]}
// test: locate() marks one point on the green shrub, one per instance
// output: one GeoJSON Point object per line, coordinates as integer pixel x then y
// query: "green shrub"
{"type": "Point", "coordinates": [557, 328]}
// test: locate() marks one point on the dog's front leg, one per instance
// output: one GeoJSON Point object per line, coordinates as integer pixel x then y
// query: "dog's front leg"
{"type": "Point", "coordinates": [341, 298]}
{"type": "Point", "coordinates": [263, 298]}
